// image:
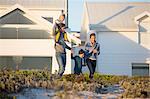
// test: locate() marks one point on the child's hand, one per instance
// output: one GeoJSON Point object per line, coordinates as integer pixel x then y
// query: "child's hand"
{"type": "Point", "coordinates": [94, 51]}
{"type": "Point", "coordinates": [72, 51]}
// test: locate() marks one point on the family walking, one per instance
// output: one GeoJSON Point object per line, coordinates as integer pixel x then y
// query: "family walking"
{"type": "Point", "coordinates": [89, 53]}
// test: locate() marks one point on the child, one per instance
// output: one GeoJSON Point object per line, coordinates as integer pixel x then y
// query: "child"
{"type": "Point", "coordinates": [57, 22]}
{"type": "Point", "coordinates": [78, 62]}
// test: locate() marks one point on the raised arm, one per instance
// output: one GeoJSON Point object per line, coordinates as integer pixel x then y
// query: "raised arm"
{"type": "Point", "coordinates": [65, 45]}
{"type": "Point", "coordinates": [86, 47]}
{"type": "Point", "coordinates": [98, 48]}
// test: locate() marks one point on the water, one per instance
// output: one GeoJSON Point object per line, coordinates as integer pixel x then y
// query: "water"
{"type": "Point", "coordinates": [112, 92]}
{"type": "Point", "coordinates": [35, 93]}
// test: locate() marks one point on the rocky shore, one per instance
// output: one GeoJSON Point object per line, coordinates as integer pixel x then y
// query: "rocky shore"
{"type": "Point", "coordinates": [73, 85]}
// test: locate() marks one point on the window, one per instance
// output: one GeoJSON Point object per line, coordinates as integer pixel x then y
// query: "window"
{"type": "Point", "coordinates": [15, 17]}
{"type": "Point", "coordinates": [26, 62]}
{"type": "Point", "coordinates": [23, 33]}
{"type": "Point", "coordinates": [140, 69]}
{"type": "Point", "coordinates": [50, 19]}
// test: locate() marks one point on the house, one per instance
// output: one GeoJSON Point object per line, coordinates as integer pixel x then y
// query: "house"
{"type": "Point", "coordinates": [25, 33]}
{"type": "Point", "coordinates": [123, 31]}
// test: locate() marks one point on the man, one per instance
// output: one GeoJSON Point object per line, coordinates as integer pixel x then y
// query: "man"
{"type": "Point", "coordinates": [60, 47]}
{"type": "Point", "coordinates": [93, 50]}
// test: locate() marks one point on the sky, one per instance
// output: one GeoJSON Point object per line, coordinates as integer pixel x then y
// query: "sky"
{"type": "Point", "coordinates": [75, 11]}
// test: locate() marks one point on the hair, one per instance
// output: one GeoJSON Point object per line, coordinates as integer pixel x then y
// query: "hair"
{"type": "Point", "coordinates": [81, 51]}
{"type": "Point", "coordinates": [63, 15]}
{"type": "Point", "coordinates": [61, 25]}
{"type": "Point", "coordinates": [92, 34]}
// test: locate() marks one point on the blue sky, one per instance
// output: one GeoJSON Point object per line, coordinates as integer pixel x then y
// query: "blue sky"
{"type": "Point", "coordinates": [76, 9]}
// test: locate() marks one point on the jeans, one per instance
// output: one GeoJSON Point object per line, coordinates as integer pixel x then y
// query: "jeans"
{"type": "Point", "coordinates": [61, 59]}
{"type": "Point", "coordinates": [77, 70]}
{"type": "Point", "coordinates": [91, 65]}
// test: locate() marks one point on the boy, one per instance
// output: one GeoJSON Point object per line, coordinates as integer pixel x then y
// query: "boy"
{"type": "Point", "coordinates": [56, 26]}
{"type": "Point", "coordinates": [78, 62]}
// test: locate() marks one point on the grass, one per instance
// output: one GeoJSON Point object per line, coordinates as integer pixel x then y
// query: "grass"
{"type": "Point", "coordinates": [12, 81]}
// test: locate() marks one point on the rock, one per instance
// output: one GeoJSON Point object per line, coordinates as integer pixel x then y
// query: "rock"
{"type": "Point", "coordinates": [101, 90]}
{"type": "Point", "coordinates": [2, 85]}
{"type": "Point", "coordinates": [44, 84]}
{"type": "Point", "coordinates": [27, 83]}
{"type": "Point", "coordinates": [144, 94]}
{"type": "Point", "coordinates": [37, 84]}
{"type": "Point", "coordinates": [49, 84]}
{"type": "Point", "coordinates": [16, 88]}
{"type": "Point", "coordinates": [51, 94]}
{"type": "Point", "coordinates": [98, 89]}
{"type": "Point", "coordinates": [32, 82]}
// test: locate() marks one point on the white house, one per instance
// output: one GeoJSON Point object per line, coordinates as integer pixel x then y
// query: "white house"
{"type": "Point", "coordinates": [25, 33]}
{"type": "Point", "coordinates": [123, 31]}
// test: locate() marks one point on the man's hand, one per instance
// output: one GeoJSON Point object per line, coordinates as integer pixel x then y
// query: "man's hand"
{"type": "Point", "coordinates": [90, 50]}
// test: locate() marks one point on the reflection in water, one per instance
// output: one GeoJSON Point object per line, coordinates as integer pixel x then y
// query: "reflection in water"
{"type": "Point", "coordinates": [112, 92]}
{"type": "Point", "coordinates": [34, 93]}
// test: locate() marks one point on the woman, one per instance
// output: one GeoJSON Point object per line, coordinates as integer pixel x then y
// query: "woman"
{"type": "Point", "coordinates": [93, 50]}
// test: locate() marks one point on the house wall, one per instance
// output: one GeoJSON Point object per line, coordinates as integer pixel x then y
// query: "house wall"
{"type": "Point", "coordinates": [118, 35]}
{"type": "Point", "coordinates": [36, 53]}
{"type": "Point", "coordinates": [118, 51]}
{"type": "Point", "coordinates": [33, 44]}
{"type": "Point", "coordinates": [145, 40]}
{"type": "Point", "coordinates": [31, 48]}
{"type": "Point", "coordinates": [35, 3]}
{"type": "Point", "coordinates": [41, 12]}
{"type": "Point", "coordinates": [145, 32]}
{"type": "Point", "coordinates": [28, 48]}
{"type": "Point", "coordinates": [49, 13]}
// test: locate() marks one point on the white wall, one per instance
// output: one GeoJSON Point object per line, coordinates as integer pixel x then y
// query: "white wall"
{"type": "Point", "coordinates": [145, 33]}
{"type": "Point", "coordinates": [37, 51]}
{"type": "Point", "coordinates": [32, 48]}
{"type": "Point", "coordinates": [85, 24]}
{"type": "Point", "coordinates": [119, 51]}
{"type": "Point", "coordinates": [26, 47]}
{"type": "Point", "coordinates": [145, 40]}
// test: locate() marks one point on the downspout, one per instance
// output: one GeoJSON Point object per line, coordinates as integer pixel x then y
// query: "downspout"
{"type": "Point", "coordinates": [66, 11]}
{"type": "Point", "coordinates": [139, 34]}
